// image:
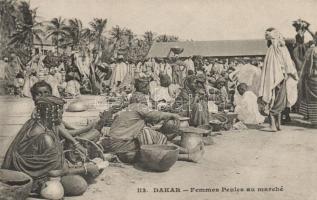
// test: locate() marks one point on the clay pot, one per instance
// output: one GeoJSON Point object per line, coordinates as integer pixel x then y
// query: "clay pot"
{"type": "Point", "coordinates": [158, 158]}
{"type": "Point", "coordinates": [74, 185]}
{"type": "Point", "coordinates": [53, 189]}
{"type": "Point", "coordinates": [14, 185]}
{"type": "Point", "coordinates": [192, 137]}
{"type": "Point", "coordinates": [183, 122]}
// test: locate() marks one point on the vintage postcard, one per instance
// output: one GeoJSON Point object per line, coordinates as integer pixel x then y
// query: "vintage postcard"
{"type": "Point", "coordinates": [158, 99]}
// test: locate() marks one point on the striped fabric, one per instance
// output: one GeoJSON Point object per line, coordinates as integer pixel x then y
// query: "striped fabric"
{"type": "Point", "coordinates": [303, 109]}
{"type": "Point", "coordinates": [115, 145]}
{"type": "Point", "coordinates": [149, 136]}
{"type": "Point", "coordinates": [309, 110]}
{"type": "Point", "coordinates": [146, 137]}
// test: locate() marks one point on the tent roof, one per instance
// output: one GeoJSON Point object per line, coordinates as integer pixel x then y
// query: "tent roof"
{"type": "Point", "coordinates": [220, 48]}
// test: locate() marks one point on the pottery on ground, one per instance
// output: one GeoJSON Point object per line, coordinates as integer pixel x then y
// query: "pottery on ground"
{"type": "Point", "coordinates": [14, 185]}
{"type": "Point", "coordinates": [158, 158]}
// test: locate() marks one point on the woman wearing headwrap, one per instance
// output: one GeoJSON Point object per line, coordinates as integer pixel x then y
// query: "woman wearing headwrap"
{"type": "Point", "coordinates": [278, 67]}
{"type": "Point", "coordinates": [308, 86]}
{"type": "Point", "coordinates": [37, 149]}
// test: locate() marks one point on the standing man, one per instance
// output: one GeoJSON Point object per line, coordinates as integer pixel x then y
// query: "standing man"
{"type": "Point", "coordinates": [278, 66]}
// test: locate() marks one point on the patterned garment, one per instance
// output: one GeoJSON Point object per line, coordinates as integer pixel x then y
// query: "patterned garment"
{"type": "Point", "coordinates": [308, 86]}
{"type": "Point", "coordinates": [149, 136]}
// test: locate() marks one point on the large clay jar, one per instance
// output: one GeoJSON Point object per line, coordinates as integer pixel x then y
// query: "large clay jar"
{"type": "Point", "coordinates": [53, 189]}
{"type": "Point", "coordinates": [191, 137]}
{"type": "Point", "coordinates": [184, 122]}
{"type": "Point", "coordinates": [14, 185]}
{"type": "Point", "coordinates": [158, 158]}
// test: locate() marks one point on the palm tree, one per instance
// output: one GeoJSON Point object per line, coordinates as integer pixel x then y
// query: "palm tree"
{"type": "Point", "coordinates": [130, 37]}
{"type": "Point", "coordinates": [28, 28]}
{"type": "Point", "coordinates": [56, 29]}
{"type": "Point", "coordinates": [148, 38]}
{"type": "Point", "coordinates": [98, 26]}
{"type": "Point", "coordinates": [116, 34]}
{"type": "Point", "coordinates": [75, 35]}
{"type": "Point", "coordinates": [7, 21]}
{"type": "Point", "coordinates": [95, 34]}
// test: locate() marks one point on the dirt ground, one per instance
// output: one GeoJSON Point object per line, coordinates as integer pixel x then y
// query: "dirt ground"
{"type": "Point", "coordinates": [256, 160]}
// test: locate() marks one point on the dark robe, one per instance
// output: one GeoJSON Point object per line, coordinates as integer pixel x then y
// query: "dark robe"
{"type": "Point", "coordinates": [30, 154]}
{"type": "Point", "coordinates": [308, 86]}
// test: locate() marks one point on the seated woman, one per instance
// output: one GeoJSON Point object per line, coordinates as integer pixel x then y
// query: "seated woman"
{"type": "Point", "coordinates": [191, 101]}
{"type": "Point", "coordinates": [220, 95]}
{"type": "Point", "coordinates": [247, 106]}
{"type": "Point", "coordinates": [130, 131]}
{"type": "Point", "coordinates": [43, 89]}
{"type": "Point", "coordinates": [37, 149]}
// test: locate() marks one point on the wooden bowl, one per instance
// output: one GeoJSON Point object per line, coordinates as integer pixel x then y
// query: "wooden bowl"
{"type": "Point", "coordinates": [14, 185]}
{"type": "Point", "coordinates": [158, 158]}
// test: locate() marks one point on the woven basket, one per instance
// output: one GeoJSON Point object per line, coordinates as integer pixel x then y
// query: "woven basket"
{"type": "Point", "coordinates": [217, 126]}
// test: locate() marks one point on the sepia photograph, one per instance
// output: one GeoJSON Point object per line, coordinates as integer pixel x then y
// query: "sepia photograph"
{"type": "Point", "coordinates": [158, 99]}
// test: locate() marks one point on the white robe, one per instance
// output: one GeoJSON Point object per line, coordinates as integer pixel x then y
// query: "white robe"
{"type": "Point", "coordinates": [168, 70]}
{"type": "Point", "coordinates": [159, 93]}
{"type": "Point", "coordinates": [247, 109]}
{"type": "Point", "coordinates": [119, 72]}
{"type": "Point", "coordinates": [248, 74]}
{"type": "Point", "coordinates": [189, 62]}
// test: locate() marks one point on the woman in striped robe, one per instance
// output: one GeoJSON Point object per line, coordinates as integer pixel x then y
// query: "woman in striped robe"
{"type": "Point", "coordinates": [308, 86]}
{"type": "Point", "coordinates": [129, 131]}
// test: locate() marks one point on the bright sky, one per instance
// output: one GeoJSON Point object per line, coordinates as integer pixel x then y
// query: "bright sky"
{"type": "Point", "coordinates": [189, 19]}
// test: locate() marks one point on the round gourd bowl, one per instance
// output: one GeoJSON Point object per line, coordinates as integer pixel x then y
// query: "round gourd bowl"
{"type": "Point", "coordinates": [77, 106]}
{"type": "Point", "coordinates": [14, 185]}
{"type": "Point", "coordinates": [158, 158]}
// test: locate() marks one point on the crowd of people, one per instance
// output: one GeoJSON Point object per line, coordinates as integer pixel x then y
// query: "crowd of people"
{"type": "Point", "coordinates": [153, 91]}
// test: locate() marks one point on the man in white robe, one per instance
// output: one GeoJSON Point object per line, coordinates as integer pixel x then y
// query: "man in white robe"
{"type": "Point", "coordinates": [247, 106]}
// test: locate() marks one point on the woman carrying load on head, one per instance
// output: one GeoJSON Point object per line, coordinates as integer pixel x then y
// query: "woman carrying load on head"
{"type": "Point", "coordinates": [278, 69]}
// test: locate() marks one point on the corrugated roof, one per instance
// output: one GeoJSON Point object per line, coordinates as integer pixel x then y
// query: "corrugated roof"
{"type": "Point", "coordinates": [218, 48]}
